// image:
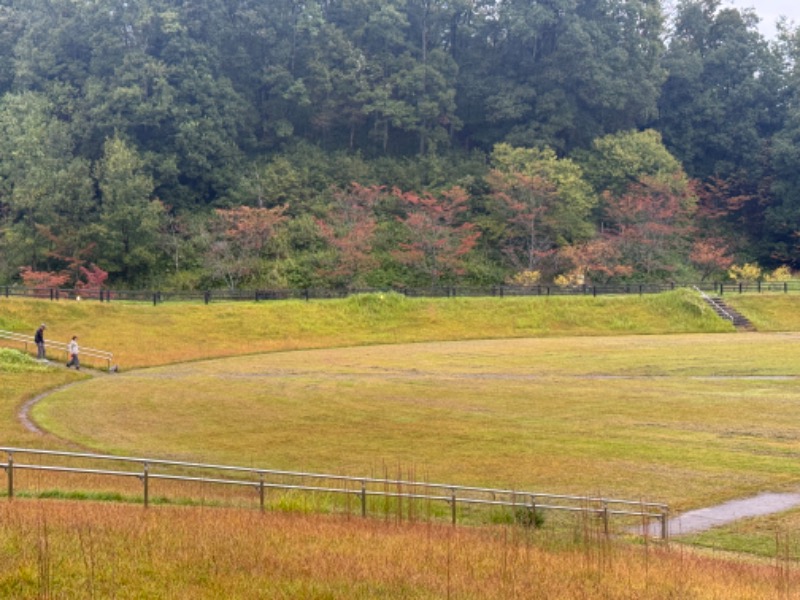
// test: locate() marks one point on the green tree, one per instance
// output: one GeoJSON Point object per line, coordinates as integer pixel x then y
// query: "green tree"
{"type": "Point", "coordinates": [779, 236]}
{"type": "Point", "coordinates": [544, 204]}
{"type": "Point", "coordinates": [563, 72]}
{"type": "Point", "coordinates": [722, 99]}
{"type": "Point", "coordinates": [46, 195]}
{"type": "Point", "coordinates": [616, 160]}
{"type": "Point", "coordinates": [130, 217]}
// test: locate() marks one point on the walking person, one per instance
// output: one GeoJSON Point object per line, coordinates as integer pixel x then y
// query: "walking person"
{"type": "Point", "coordinates": [73, 350]}
{"type": "Point", "coordinates": [39, 339]}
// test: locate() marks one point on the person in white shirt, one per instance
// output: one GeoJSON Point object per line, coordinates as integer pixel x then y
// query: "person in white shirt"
{"type": "Point", "coordinates": [73, 350]}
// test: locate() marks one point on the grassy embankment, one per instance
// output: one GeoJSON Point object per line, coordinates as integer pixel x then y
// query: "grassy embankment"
{"type": "Point", "coordinates": [142, 335]}
{"type": "Point", "coordinates": [769, 312]}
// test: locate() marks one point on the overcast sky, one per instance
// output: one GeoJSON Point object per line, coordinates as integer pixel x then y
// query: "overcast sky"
{"type": "Point", "coordinates": [769, 11]}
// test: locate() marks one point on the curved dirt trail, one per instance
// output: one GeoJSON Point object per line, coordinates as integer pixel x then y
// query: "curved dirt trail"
{"type": "Point", "coordinates": [24, 411]}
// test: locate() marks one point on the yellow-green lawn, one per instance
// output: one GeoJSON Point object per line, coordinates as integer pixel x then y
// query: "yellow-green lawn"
{"type": "Point", "coordinates": [685, 419]}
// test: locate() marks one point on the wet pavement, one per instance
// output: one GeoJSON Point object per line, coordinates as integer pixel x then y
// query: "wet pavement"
{"type": "Point", "coordinates": [705, 518]}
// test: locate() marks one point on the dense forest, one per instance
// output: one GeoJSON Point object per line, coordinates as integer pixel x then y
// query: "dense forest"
{"type": "Point", "coordinates": [349, 143]}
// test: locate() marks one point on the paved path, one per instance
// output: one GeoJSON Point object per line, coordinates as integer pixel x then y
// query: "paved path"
{"type": "Point", "coordinates": [706, 518]}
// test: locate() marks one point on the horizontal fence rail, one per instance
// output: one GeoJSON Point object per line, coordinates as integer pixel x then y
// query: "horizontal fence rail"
{"type": "Point", "coordinates": [208, 296]}
{"type": "Point", "coordinates": [60, 349]}
{"type": "Point", "coordinates": [361, 490]}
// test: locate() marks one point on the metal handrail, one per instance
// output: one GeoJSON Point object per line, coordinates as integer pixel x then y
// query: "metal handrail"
{"type": "Point", "coordinates": [364, 486]}
{"type": "Point", "coordinates": [58, 346]}
{"type": "Point", "coordinates": [716, 305]}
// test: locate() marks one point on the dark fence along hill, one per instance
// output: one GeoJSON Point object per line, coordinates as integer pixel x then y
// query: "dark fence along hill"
{"type": "Point", "coordinates": [257, 295]}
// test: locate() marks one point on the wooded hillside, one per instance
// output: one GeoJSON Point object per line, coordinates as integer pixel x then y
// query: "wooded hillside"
{"type": "Point", "coordinates": [393, 142]}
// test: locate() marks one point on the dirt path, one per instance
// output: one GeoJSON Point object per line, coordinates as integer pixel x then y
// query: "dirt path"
{"type": "Point", "coordinates": [24, 411]}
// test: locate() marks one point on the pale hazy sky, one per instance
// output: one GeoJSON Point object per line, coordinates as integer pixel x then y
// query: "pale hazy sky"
{"type": "Point", "coordinates": [769, 11]}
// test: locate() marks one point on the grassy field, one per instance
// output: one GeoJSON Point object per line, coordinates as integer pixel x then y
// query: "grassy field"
{"type": "Point", "coordinates": [773, 536]}
{"type": "Point", "coordinates": [680, 419]}
{"type": "Point", "coordinates": [529, 393]}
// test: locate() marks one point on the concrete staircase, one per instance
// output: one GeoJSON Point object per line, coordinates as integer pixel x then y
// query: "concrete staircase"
{"type": "Point", "coordinates": [719, 306]}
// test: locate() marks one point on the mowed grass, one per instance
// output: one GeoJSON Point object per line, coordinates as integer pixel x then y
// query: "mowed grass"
{"type": "Point", "coordinates": [57, 549]}
{"type": "Point", "coordinates": [774, 536]}
{"type": "Point", "coordinates": [685, 419]}
{"type": "Point", "coordinates": [141, 335]}
{"type": "Point", "coordinates": [769, 312]}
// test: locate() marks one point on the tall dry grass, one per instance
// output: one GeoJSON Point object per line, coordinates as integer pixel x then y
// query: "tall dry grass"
{"type": "Point", "coordinates": [63, 550]}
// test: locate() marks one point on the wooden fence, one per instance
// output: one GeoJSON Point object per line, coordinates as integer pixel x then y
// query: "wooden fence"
{"type": "Point", "coordinates": [257, 295]}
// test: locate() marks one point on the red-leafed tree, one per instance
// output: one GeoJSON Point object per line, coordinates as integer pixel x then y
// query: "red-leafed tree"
{"type": "Point", "coordinates": [349, 230]}
{"type": "Point", "coordinates": [528, 201]}
{"type": "Point", "coordinates": [241, 239]}
{"type": "Point", "coordinates": [437, 241]}
{"type": "Point", "coordinates": [541, 204]}
{"type": "Point", "coordinates": [725, 211]}
{"type": "Point", "coordinates": [650, 224]}
{"type": "Point", "coordinates": [41, 282]}
{"type": "Point", "coordinates": [93, 279]}
{"type": "Point", "coordinates": [710, 256]}
{"type": "Point", "coordinates": [597, 261]}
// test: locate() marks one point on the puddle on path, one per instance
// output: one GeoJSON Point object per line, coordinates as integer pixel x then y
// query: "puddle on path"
{"type": "Point", "coordinates": [705, 518]}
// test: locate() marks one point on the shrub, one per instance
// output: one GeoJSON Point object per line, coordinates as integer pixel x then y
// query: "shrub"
{"type": "Point", "coordinates": [526, 278]}
{"type": "Point", "coordinates": [782, 273]}
{"type": "Point", "coordinates": [745, 273]}
{"type": "Point", "coordinates": [14, 361]}
{"type": "Point", "coordinates": [521, 515]}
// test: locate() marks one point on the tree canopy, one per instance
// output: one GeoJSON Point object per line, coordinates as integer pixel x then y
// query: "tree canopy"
{"type": "Point", "coordinates": [369, 135]}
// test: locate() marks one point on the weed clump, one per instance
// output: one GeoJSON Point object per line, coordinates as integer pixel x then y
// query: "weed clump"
{"type": "Point", "coordinates": [523, 516]}
{"type": "Point", "coordinates": [377, 303]}
{"type": "Point", "coordinates": [14, 361]}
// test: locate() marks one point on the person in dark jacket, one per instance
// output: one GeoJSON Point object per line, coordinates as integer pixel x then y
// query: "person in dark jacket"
{"type": "Point", "coordinates": [39, 339]}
